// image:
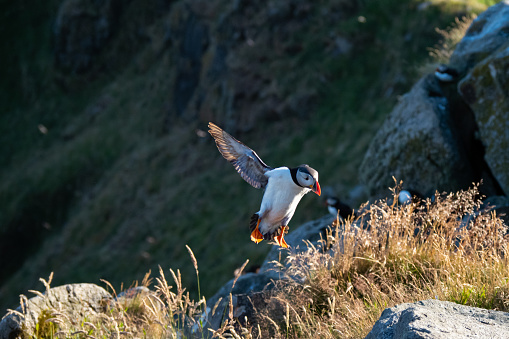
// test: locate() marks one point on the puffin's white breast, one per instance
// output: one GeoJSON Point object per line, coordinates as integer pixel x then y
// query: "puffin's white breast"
{"type": "Point", "coordinates": [280, 200]}
{"type": "Point", "coordinates": [332, 210]}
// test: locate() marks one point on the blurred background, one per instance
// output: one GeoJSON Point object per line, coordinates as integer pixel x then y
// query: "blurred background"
{"type": "Point", "coordinates": [106, 167]}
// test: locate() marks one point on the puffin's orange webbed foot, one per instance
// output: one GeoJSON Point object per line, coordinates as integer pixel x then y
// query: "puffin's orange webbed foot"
{"type": "Point", "coordinates": [281, 241]}
{"type": "Point", "coordinates": [280, 238]}
{"type": "Point", "coordinates": [256, 235]}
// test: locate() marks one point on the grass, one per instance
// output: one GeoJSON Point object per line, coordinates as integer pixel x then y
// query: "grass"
{"type": "Point", "coordinates": [392, 254]}
{"type": "Point", "coordinates": [412, 252]}
{"type": "Point", "coordinates": [113, 189]}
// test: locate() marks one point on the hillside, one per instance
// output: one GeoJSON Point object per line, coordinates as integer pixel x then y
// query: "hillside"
{"type": "Point", "coordinates": [106, 170]}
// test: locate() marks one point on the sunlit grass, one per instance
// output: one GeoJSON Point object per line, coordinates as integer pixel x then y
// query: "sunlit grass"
{"type": "Point", "coordinates": [451, 36]}
{"type": "Point", "coordinates": [442, 249]}
{"type": "Point", "coordinates": [396, 254]}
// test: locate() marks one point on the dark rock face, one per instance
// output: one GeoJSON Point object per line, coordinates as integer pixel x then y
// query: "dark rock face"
{"type": "Point", "coordinates": [225, 64]}
{"type": "Point", "coordinates": [195, 40]}
{"type": "Point", "coordinates": [81, 29]}
{"type": "Point", "coordinates": [486, 90]}
{"type": "Point", "coordinates": [222, 55]}
{"type": "Point", "coordinates": [439, 319]}
{"type": "Point", "coordinates": [483, 58]}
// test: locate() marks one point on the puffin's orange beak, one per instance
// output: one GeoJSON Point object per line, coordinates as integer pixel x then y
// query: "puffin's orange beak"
{"type": "Point", "coordinates": [317, 189]}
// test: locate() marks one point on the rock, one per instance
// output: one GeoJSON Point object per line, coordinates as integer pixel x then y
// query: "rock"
{"type": "Point", "coordinates": [486, 34]}
{"type": "Point", "coordinates": [486, 90]}
{"type": "Point", "coordinates": [312, 231]}
{"type": "Point", "coordinates": [417, 144]}
{"type": "Point", "coordinates": [192, 40]}
{"type": "Point", "coordinates": [81, 29]}
{"type": "Point", "coordinates": [247, 283]}
{"type": "Point", "coordinates": [140, 293]}
{"type": "Point", "coordinates": [500, 205]}
{"type": "Point", "coordinates": [439, 319]}
{"type": "Point", "coordinates": [225, 61]}
{"type": "Point", "coordinates": [252, 290]}
{"type": "Point", "coordinates": [76, 301]}
{"type": "Point", "coordinates": [249, 288]}
{"type": "Point", "coordinates": [496, 201]}
{"type": "Point", "coordinates": [439, 139]}
{"type": "Point", "coordinates": [252, 307]}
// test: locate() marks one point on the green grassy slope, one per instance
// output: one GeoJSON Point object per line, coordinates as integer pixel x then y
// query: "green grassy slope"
{"type": "Point", "coordinates": [95, 185]}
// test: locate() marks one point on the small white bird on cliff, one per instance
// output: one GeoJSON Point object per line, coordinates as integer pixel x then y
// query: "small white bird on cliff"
{"type": "Point", "coordinates": [445, 73]}
{"type": "Point", "coordinates": [284, 186]}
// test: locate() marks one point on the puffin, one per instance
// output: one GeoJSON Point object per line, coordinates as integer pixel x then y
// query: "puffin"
{"type": "Point", "coordinates": [335, 206]}
{"type": "Point", "coordinates": [445, 73]}
{"type": "Point", "coordinates": [409, 196]}
{"type": "Point", "coordinates": [284, 186]}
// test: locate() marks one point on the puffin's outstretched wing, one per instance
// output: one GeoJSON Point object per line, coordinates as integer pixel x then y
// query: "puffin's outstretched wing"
{"type": "Point", "coordinates": [250, 167]}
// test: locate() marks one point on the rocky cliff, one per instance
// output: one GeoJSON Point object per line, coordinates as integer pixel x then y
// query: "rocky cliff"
{"type": "Point", "coordinates": [446, 134]}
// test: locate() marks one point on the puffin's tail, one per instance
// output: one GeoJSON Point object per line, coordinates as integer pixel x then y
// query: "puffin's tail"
{"type": "Point", "coordinates": [257, 236]}
{"type": "Point", "coordinates": [254, 222]}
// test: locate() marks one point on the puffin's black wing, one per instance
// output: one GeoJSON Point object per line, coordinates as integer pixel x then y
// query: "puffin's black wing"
{"type": "Point", "coordinates": [250, 167]}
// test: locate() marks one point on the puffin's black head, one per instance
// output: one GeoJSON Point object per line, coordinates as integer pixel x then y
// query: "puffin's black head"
{"type": "Point", "coordinates": [306, 176]}
{"type": "Point", "coordinates": [332, 201]}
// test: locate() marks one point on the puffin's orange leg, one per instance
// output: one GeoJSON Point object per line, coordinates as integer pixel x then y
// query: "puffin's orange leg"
{"type": "Point", "coordinates": [280, 238]}
{"type": "Point", "coordinates": [256, 235]}
{"type": "Point", "coordinates": [281, 241]}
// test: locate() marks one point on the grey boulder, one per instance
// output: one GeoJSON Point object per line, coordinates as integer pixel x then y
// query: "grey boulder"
{"type": "Point", "coordinates": [486, 34]}
{"type": "Point", "coordinates": [75, 301]}
{"type": "Point", "coordinates": [416, 144]}
{"type": "Point", "coordinates": [439, 319]}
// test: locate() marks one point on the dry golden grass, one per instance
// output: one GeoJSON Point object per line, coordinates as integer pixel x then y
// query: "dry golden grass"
{"type": "Point", "coordinates": [399, 254]}
{"type": "Point", "coordinates": [450, 37]}
{"type": "Point", "coordinates": [391, 254]}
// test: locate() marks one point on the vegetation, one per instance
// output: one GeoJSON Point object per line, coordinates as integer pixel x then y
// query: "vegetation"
{"type": "Point", "coordinates": [443, 249]}
{"type": "Point", "coordinates": [396, 254]}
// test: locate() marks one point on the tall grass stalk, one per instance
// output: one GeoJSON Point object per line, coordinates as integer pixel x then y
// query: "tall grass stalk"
{"type": "Point", "coordinates": [195, 264]}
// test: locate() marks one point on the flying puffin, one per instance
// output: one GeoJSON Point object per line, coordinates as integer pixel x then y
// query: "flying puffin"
{"type": "Point", "coordinates": [284, 186]}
